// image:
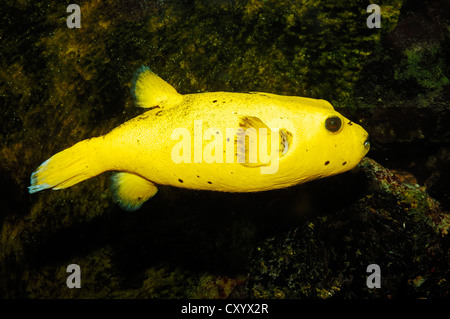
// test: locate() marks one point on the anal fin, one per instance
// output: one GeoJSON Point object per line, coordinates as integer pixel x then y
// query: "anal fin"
{"type": "Point", "coordinates": [131, 191]}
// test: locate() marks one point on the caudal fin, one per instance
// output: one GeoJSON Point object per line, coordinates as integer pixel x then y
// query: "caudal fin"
{"type": "Point", "coordinates": [66, 168]}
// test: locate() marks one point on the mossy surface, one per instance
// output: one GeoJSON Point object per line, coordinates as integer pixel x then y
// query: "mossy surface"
{"type": "Point", "coordinates": [402, 94]}
{"type": "Point", "coordinates": [397, 227]}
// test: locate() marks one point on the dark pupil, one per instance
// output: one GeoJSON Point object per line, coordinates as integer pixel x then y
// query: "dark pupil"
{"type": "Point", "coordinates": [333, 124]}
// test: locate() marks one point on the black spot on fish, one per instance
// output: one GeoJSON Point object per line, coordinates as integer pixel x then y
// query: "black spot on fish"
{"type": "Point", "coordinates": [214, 101]}
{"type": "Point", "coordinates": [228, 139]}
{"type": "Point", "coordinates": [327, 162]}
{"type": "Point", "coordinates": [350, 123]}
{"type": "Point", "coordinates": [198, 176]}
{"type": "Point", "coordinates": [158, 113]}
{"type": "Point", "coordinates": [209, 182]}
{"type": "Point", "coordinates": [344, 163]}
{"type": "Point", "coordinates": [217, 132]}
{"type": "Point", "coordinates": [180, 180]}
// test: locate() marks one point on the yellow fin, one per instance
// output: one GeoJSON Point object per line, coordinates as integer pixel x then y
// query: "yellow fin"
{"type": "Point", "coordinates": [130, 191]}
{"type": "Point", "coordinates": [67, 168]}
{"type": "Point", "coordinates": [249, 140]}
{"type": "Point", "coordinates": [285, 141]}
{"type": "Point", "coordinates": [150, 90]}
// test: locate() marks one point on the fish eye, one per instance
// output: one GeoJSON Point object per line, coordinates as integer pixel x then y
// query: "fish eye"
{"type": "Point", "coordinates": [333, 124]}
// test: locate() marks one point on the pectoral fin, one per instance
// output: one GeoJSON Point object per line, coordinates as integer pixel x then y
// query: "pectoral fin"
{"type": "Point", "coordinates": [254, 142]}
{"type": "Point", "coordinates": [285, 141]}
{"type": "Point", "coordinates": [130, 191]}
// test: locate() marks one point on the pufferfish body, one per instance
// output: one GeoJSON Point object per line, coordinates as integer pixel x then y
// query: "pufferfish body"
{"type": "Point", "coordinates": [220, 141]}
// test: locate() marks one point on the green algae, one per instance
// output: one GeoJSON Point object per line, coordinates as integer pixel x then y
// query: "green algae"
{"type": "Point", "coordinates": [424, 67]}
{"type": "Point", "coordinates": [327, 256]}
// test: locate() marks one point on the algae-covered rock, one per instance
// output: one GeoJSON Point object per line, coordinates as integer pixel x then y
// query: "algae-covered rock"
{"type": "Point", "coordinates": [402, 95]}
{"type": "Point", "coordinates": [408, 103]}
{"type": "Point", "coordinates": [397, 227]}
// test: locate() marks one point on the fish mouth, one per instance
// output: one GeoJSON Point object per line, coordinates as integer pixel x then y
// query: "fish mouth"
{"type": "Point", "coordinates": [367, 144]}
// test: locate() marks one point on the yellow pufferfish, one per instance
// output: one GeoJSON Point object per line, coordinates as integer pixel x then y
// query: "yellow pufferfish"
{"type": "Point", "coordinates": [203, 141]}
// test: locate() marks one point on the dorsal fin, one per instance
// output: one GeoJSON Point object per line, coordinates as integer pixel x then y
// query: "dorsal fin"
{"type": "Point", "coordinates": [150, 90]}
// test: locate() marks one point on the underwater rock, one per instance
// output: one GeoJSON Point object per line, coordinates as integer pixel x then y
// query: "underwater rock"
{"type": "Point", "coordinates": [404, 83]}
{"type": "Point", "coordinates": [403, 93]}
{"type": "Point", "coordinates": [398, 227]}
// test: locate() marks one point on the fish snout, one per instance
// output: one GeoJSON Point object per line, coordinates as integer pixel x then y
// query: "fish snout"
{"type": "Point", "coordinates": [367, 144]}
